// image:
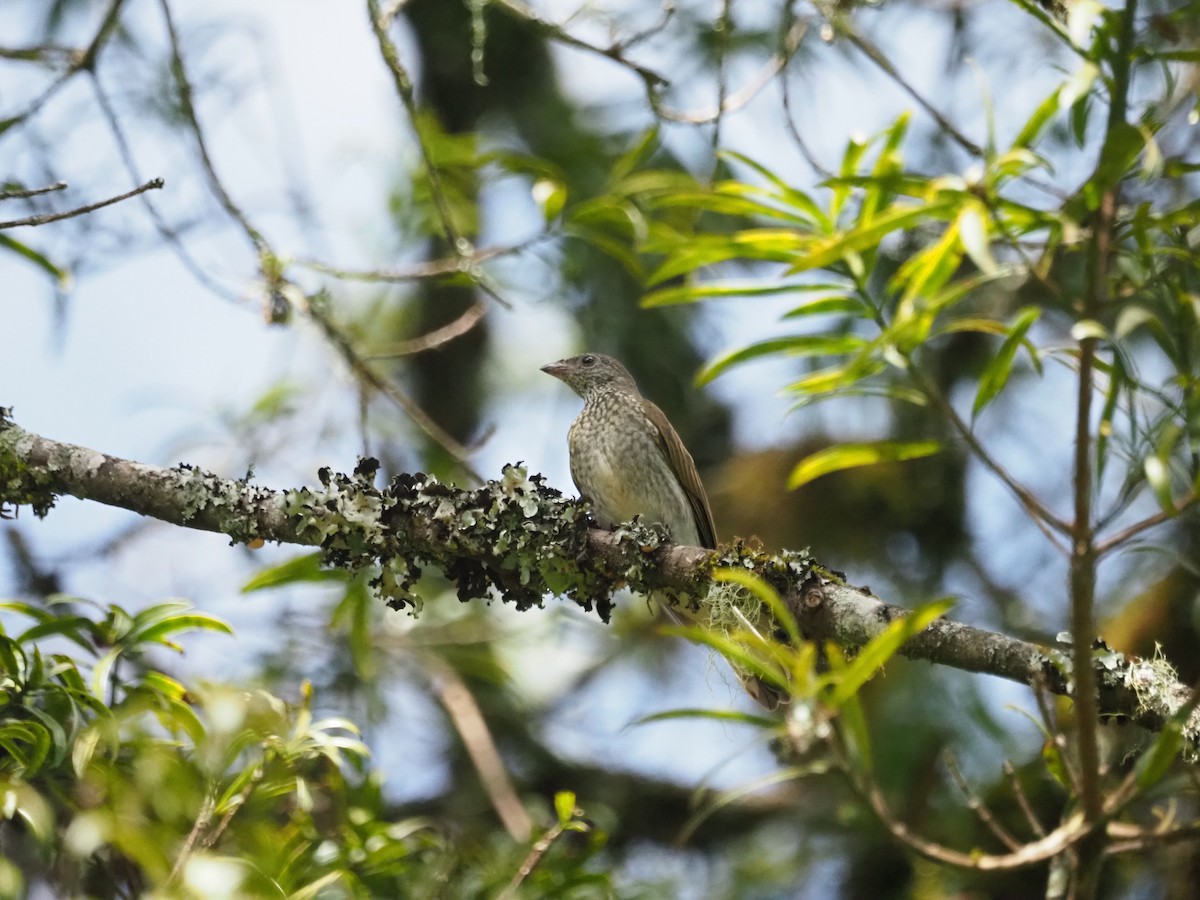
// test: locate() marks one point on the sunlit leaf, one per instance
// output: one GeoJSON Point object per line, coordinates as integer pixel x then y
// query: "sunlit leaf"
{"type": "Point", "coordinates": [995, 376]}
{"type": "Point", "coordinates": [298, 570]}
{"type": "Point", "coordinates": [871, 658]}
{"type": "Point", "coordinates": [794, 346]}
{"type": "Point", "coordinates": [973, 231]}
{"type": "Point", "coordinates": [849, 456]}
{"type": "Point", "coordinates": [690, 293]}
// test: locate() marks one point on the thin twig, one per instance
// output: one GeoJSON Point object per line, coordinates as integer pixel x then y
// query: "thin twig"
{"type": "Point", "coordinates": [166, 232]}
{"type": "Point", "coordinates": [1018, 790]}
{"type": "Point", "coordinates": [727, 103]}
{"type": "Point", "coordinates": [980, 808]}
{"type": "Point", "coordinates": [151, 185]}
{"type": "Point", "coordinates": [437, 337]}
{"type": "Point", "coordinates": [188, 108]}
{"type": "Point", "coordinates": [434, 268]}
{"type": "Point", "coordinates": [1050, 720]}
{"type": "Point", "coordinates": [83, 61]}
{"type": "Point", "coordinates": [652, 80]}
{"type": "Point", "coordinates": [531, 860]}
{"type": "Point", "coordinates": [877, 56]}
{"type": "Point", "coordinates": [1121, 537]}
{"type": "Point", "coordinates": [1039, 512]}
{"type": "Point", "coordinates": [21, 194]}
{"type": "Point", "coordinates": [202, 819]}
{"type": "Point", "coordinates": [471, 726]}
{"type": "Point", "coordinates": [363, 371]}
{"type": "Point", "coordinates": [789, 119]}
{"type": "Point", "coordinates": [404, 87]}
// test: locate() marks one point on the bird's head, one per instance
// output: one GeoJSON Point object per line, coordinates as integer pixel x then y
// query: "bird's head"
{"type": "Point", "coordinates": [591, 373]}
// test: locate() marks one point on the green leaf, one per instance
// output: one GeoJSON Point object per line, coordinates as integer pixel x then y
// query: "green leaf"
{"type": "Point", "coordinates": [564, 806]}
{"type": "Point", "coordinates": [973, 231]}
{"type": "Point", "coordinates": [719, 715]}
{"type": "Point", "coordinates": [849, 456]}
{"type": "Point", "coordinates": [690, 293]}
{"type": "Point", "coordinates": [641, 151]}
{"type": "Point", "coordinates": [896, 392]}
{"type": "Point", "coordinates": [1155, 762]}
{"type": "Point", "coordinates": [1158, 477]}
{"type": "Point", "coordinates": [883, 647]}
{"type": "Point", "coordinates": [183, 622]}
{"type": "Point", "coordinates": [795, 345]}
{"type": "Point", "coordinates": [62, 276]}
{"type": "Point", "coordinates": [726, 201]}
{"type": "Point", "coordinates": [798, 200]}
{"type": "Point", "coordinates": [1036, 124]}
{"type": "Point", "coordinates": [769, 244]}
{"type": "Point", "coordinates": [836, 378]}
{"type": "Point", "coordinates": [821, 252]}
{"type": "Point", "coordinates": [840, 304]}
{"type": "Point", "coordinates": [998, 370]}
{"type": "Point", "coordinates": [299, 570]}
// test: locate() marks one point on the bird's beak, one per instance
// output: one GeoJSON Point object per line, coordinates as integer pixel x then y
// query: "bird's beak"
{"type": "Point", "coordinates": [557, 369]}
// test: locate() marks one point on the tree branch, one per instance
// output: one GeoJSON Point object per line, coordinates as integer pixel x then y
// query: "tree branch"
{"type": "Point", "coordinates": [517, 540]}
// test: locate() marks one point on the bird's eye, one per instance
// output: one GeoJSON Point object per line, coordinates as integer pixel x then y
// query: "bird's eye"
{"type": "Point", "coordinates": [589, 360]}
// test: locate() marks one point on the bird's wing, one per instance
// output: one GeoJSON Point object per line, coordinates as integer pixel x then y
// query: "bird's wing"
{"type": "Point", "coordinates": [685, 470]}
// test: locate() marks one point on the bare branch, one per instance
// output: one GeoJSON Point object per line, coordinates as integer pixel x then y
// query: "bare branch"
{"type": "Point", "coordinates": [32, 192]}
{"type": "Point", "coordinates": [615, 52]}
{"type": "Point", "coordinates": [368, 376]}
{"type": "Point", "coordinates": [468, 721]}
{"type": "Point", "coordinates": [404, 87]}
{"type": "Point", "coordinates": [153, 184]}
{"type": "Point", "coordinates": [438, 336]}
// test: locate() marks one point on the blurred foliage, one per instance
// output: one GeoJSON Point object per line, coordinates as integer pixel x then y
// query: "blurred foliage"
{"type": "Point", "coordinates": [123, 781]}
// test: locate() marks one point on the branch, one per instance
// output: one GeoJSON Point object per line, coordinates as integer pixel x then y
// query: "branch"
{"type": "Point", "coordinates": [153, 184]}
{"type": "Point", "coordinates": [515, 537]}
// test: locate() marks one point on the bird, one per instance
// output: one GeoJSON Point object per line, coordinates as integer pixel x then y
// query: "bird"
{"type": "Point", "coordinates": [626, 458]}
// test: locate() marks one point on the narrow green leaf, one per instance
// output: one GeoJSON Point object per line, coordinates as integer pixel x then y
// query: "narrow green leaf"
{"type": "Point", "coordinates": [301, 569]}
{"type": "Point", "coordinates": [1156, 762]}
{"type": "Point", "coordinates": [719, 715]}
{"type": "Point", "coordinates": [786, 193]}
{"type": "Point", "coordinates": [896, 392]}
{"type": "Point", "coordinates": [1036, 124]}
{"type": "Point", "coordinates": [728, 205]}
{"type": "Point", "coordinates": [849, 456]}
{"type": "Point", "coordinates": [973, 232]}
{"type": "Point", "coordinates": [794, 346]}
{"type": "Point", "coordinates": [1158, 477]}
{"type": "Point", "coordinates": [821, 252]}
{"type": "Point", "coordinates": [840, 304]}
{"type": "Point", "coordinates": [836, 378]}
{"type": "Point", "coordinates": [998, 370]}
{"type": "Point", "coordinates": [637, 154]}
{"type": "Point", "coordinates": [690, 293]}
{"type": "Point", "coordinates": [883, 647]}
{"type": "Point", "coordinates": [768, 244]}
{"type": "Point", "coordinates": [62, 276]}
{"type": "Point", "coordinates": [183, 622]}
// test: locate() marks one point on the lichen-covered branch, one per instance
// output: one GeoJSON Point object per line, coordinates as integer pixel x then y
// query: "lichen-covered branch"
{"type": "Point", "coordinates": [517, 540]}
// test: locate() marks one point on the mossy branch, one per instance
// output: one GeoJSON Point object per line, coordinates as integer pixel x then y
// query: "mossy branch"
{"type": "Point", "coordinates": [517, 540]}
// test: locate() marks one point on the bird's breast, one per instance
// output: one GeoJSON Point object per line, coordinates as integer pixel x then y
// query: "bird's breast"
{"type": "Point", "coordinates": [618, 464]}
